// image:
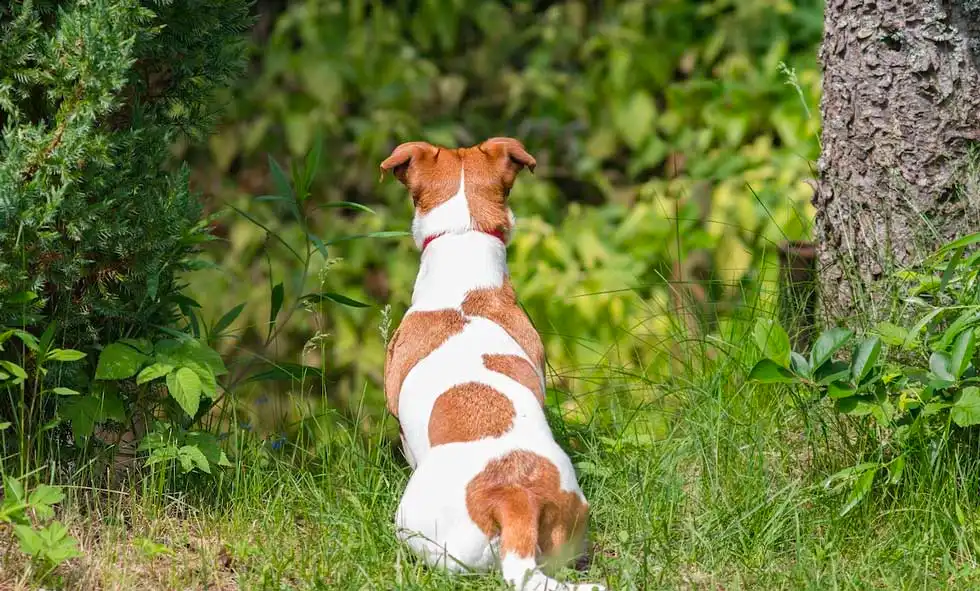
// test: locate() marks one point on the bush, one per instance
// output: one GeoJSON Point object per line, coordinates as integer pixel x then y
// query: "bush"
{"type": "Point", "coordinates": [914, 381]}
{"type": "Point", "coordinates": [94, 227]}
{"type": "Point", "coordinates": [95, 224]}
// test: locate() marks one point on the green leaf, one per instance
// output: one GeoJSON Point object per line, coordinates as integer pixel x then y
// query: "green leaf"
{"type": "Point", "coordinates": [767, 371]}
{"type": "Point", "coordinates": [144, 346]}
{"type": "Point", "coordinates": [838, 389]}
{"type": "Point", "coordinates": [969, 318]}
{"type": "Point", "coordinates": [333, 297]}
{"type": "Point", "coordinates": [271, 198]}
{"type": "Point", "coordinates": [154, 371]}
{"type": "Point", "coordinates": [190, 457]}
{"type": "Point", "coordinates": [933, 408]}
{"type": "Point", "coordinates": [165, 453]}
{"type": "Point", "coordinates": [185, 388]}
{"type": "Point", "coordinates": [280, 180]}
{"type": "Point", "coordinates": [320, 246]}
{"type": "Point", "coordinates": [13, 488]}
{"type": "Point", "coordinates": [30, 542]}
{"type": "Point", "coordinates": [62, 391]}
{"type": "Point", "coordinates": [968, 240]}
{"type": "Point", "coordinates": [963, 348]}
{"type": "Point", "coordinates": [209, 446]}
{"type": "Point", "coordinates": [268, 232]}
{"type": "Point", "coordinates": [4, 426]}
{"type": "Point", "coordinates": [799, 364]}
{"type": "Point", "coordinates": [185, 301]}
{"type": "Point", "coordinates": [941, 366]}
{"type": "Point", "coordinates": [151, 549]}
{"type": "Point", "coordinates": [51, 424]}
{"type": "Point", "coordinates": [22, 297]}
{"type": "Point", "coordinates": [47, 337]}
{"type": "Point", "coordinates": [864, 359]}
{"type": "Point", "coordinates": [85, 411]}
{"type": "Point", "coordinates": [861, 489]}
{"type": "Point", "coordinates": [848, 474]}
{"type": "Point", "coordinates": [65, 355]}
{"type": "Point", "coordinates": [923, 322]}
{"type": "Point", "coordinates": [42, 498]}
{"type": "Point", "coordinates": [346, 205]}
{"type": "Point", "coordinates": [57, 545]}
{"type": "Point", "coordinates": [312, 163]}
{"type": "Point", "coordinates": [893, 334]}
{"type": "Point", "coordinates": [14, 370]}
{"type": "Point", "coordinates": [895, 470]}
{"type": "Point", "coordinates": [226, 320]}
{"type": "Point", "coordinates": [25, 337]}
{"type": "Point", "coordinates": [857, 406]}
{"type": "Point", "coordinates": [829, 372]}
{"type": "Point", "coordinates": [634, 119]}
{"type": "Point", "coordinates": [827, 344]}
{"type": "Point", "coordinates": [385, 234]}
{"type": "Point", "coordinates": [951, 267]}
{"type": "Point", "coordinates": [966, 409]}
{"type": "Point", "coordinates": [772, 341]}
{"type": "Point", "coordinates": [285, 371]}
{"type": "Point", "coordinates": [118, 362]}
{"type": "Point", "coordinates": [275, 304]}
{"type": "Point", "coordinates": [178, 353]}
{"type": "Point", "coordinates": [209, 385]}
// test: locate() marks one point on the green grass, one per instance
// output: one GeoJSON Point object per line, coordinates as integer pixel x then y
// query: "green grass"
{"type": "Point", "coordinates": [728, 494]}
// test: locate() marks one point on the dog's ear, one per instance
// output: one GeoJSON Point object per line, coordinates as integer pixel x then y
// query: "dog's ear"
{"type": "Point", "coordinates": [401, 159]}
{"type": "Point", "coordinates": [517, 156]}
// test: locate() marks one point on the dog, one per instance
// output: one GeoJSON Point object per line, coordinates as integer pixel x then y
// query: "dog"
{"type": "Point", "coordinates": [465, 377]}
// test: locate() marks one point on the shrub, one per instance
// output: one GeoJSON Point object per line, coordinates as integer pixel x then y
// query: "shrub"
{"type": "Point", "coordinates": [95, 223]}
{"type": "Point", "coordinates": [915, 381]}
{"type": "Point", "coordinates": [94, 227]}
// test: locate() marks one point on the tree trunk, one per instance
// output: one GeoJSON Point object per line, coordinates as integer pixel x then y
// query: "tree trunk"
{"type": "Point", "coordinates": [901, 121]}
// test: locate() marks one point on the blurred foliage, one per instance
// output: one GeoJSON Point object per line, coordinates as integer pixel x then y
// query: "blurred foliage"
{"type": "Point", "coordinates": [672, 137]}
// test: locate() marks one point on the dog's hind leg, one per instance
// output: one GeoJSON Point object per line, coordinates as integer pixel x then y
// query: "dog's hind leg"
{"type": "Point", "coordinates": [517, 513]}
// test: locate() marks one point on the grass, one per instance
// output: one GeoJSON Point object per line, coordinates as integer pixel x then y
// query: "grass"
{"type": "Point", "coordinates": [729, 496]}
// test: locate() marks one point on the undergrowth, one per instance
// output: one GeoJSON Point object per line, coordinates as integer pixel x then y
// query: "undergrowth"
{"type": "Point", "coordinates": [717, 481]}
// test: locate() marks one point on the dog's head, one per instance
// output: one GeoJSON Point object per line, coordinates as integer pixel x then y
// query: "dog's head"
{"type": "Point", "coordinates": [456, 190]}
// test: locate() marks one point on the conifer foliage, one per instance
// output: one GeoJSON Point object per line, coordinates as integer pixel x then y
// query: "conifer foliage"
{"type": "Point", "coordinates": [95, 224]}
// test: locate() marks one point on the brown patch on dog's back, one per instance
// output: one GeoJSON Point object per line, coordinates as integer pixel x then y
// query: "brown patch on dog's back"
{"type": "Point", "coordinates": [499, 304]}
{"type": "Point", "coordinates": [518, 369]}
{"type": "Point", "coordinates": [519, 497]}
{"type": "Point", "coordinates": [469, 412]}
{"type": "Point", "coordinates": [418, 335]}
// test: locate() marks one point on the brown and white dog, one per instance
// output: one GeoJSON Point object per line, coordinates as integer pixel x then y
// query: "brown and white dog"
{"type": "Point", "coordinates": [464, 374]}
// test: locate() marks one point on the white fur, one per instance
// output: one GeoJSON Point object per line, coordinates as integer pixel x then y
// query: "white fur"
{"type": "Point", "coordinates": [432, 517]}
{"type": "Point", "coordinates": [454, 264]}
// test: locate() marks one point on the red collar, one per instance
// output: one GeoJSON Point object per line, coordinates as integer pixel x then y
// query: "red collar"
{"type": "Point", "coordinates": [498, 234]}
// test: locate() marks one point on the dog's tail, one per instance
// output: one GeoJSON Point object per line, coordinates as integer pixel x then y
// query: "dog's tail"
{"type": "Point", "coordinates": [518, 513]}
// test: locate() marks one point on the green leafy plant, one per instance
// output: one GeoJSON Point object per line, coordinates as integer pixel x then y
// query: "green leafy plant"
{"type": "Point", "coordinates": [29, 387]}
{"type": "Point", "coordinates": [919, 385]}
{"type": "Point", "coordinates": [30, 513]}
{"type": "Point", "coordinates": [168, 387]}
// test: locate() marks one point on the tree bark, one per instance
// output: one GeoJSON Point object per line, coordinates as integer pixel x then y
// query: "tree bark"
{"type": "Point", "coordinates": [901, 121]}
